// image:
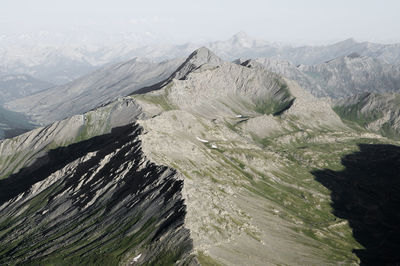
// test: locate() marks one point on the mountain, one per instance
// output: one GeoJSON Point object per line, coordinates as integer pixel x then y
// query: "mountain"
{"type": "Point", "coordinates": [378, 113]}
{"type": "Point", "coordinates": [218, 163]}
{"type": "Point", "coordinates": [18, 86]}
{"type": "Point", "coordinates": [90, 91]}
{"type": "Point", "coordinates": [341, 77]}
{"type": "Point", "coordinates": [99, 200]}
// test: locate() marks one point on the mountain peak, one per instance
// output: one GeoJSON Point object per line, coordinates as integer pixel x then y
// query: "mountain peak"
{"type": "Point", "coordinates": [349, 41]}
{"type": "Point", "coordinates": [196, 59]}
{"type": "Point", "coordinates": [251, 63]}
{"type": "Point", "coordinates": [243, 40]}
{"type": "Point", "coordinates": [203, 55]}
{"type": "Point", "coordinates": [241, 35]}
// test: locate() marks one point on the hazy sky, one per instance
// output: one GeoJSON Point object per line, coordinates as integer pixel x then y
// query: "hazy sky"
{"type": "Point", "coordinates": [295, 21]}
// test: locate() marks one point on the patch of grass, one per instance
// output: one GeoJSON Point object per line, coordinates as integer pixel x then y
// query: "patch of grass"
{"type": "Point", "coordinates": [276, 104]}
{"type": "Point", "coordinates": [167, 257]}
{"type": "Point", "coordinates": [158, 99]}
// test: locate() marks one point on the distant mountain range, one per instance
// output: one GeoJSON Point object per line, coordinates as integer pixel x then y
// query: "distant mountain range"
{"type": "Point", "coordinates": [60, 64]}
{"type": "Point", "coordinates": [339, 70]}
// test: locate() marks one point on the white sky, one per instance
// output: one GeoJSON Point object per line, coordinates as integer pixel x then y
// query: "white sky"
{"type": "Point", "coordinates": [300, 21]}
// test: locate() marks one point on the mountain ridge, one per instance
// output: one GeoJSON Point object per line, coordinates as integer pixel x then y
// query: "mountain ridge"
{"type": "Point", "coordinates": [213, 167]}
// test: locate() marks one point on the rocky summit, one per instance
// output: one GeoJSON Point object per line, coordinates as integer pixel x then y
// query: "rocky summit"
{"type": "Point", "coordinates": [204, 162]}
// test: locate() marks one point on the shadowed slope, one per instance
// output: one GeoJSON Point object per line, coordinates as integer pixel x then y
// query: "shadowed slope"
{"type": "Point", "coordinates": [366, 193]}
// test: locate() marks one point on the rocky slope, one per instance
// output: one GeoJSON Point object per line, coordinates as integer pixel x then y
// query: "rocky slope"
{"type": "Point", "coordinates": [86, 93]}
{"type": "Point", "coordinates": [19, 151]}
{"type": "Point", "coordinates": [214, 165]}
{"type": "Point", "coordinates": [340, 77]}
{"type": "Point", "coordinates": [251, 165]}
{"type": "Point", "coordinates": [81, 191]}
